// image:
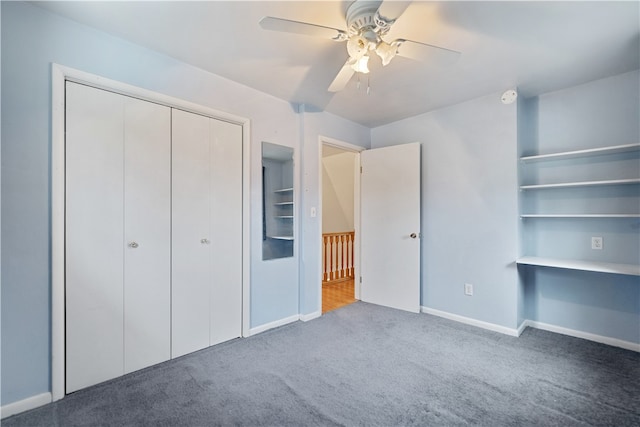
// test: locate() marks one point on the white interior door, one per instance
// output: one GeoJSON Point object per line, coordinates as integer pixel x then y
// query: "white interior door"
{"type": "Point", "coordinates": [191, 240]}
{"type": "Point", "coordinates": [226, 231]}
{"type": "Point", "coordinates": [390, 223]}
{"type": "Point", "coordinates": [147, 234]}
{"type": "Point", "coordinates": [118, 224]}
{"type": "Point", "coordinates": [94, 244]}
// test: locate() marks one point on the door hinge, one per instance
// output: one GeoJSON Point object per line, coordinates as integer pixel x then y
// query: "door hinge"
{"type": "Point", "coordinates": [360, 169]}
{"type": "Point", "coordinates": [360, 279]}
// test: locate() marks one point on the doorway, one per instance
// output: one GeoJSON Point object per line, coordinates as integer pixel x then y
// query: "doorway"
{"type": "Point", "coordinates": [340, 193]}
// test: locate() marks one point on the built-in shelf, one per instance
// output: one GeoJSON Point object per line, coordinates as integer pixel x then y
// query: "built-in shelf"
{"type": "Point", "coordinates": [284, 216]}
{"type": "Point", "coordinates": [635, 215]}
{"type": "Point", "coordinates": [601, 267]}
{"type": "Point", "coordinates": [284, 190]}
{"type": "Point", "coordinates": [582, 184]}
{"type": "Point", "coordinates": [281, 237]}
{"type": "Point", "coordinates": [283, 203]}
{"type": "Point", "coordinates": [582, 153]}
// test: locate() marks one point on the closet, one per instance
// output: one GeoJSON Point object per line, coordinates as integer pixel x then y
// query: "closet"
{"type": "Point", "coordinates": [153, 232]}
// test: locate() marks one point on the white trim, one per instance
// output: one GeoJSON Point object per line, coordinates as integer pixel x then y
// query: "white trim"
{"type": "Point", "coordinates": [522, 327]}
{"type": "Point", "coordinates": [274, 324]}
{"type": "Point", "coordinates": [246, 227]}
{"type": "Point", "coordinates": [60, 74]}
{"type": "Point", "coordinates": [340, 144]}
{"type": "Point", "coordinates": [310, 316]}
{"type": "Point", "coordinates": [469, 321]}
{"type": "Point", "coordinates": [615, 342]}
{"type": "Point", "coordinates": [336, 143]}
{"type": "Point", "coordinates": [25, 404]}
{"type": "Point", "coordinates": [57, 232]}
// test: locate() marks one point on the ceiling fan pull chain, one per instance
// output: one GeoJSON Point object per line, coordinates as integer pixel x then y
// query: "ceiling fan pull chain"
{"type": "Point", "coordinates": [358, 84]}
{"type": "Point", "coordinates": [368, 86]}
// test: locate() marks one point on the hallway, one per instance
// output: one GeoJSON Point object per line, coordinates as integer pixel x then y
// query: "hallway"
{"type": "Point", "coordinates": [337, 294]}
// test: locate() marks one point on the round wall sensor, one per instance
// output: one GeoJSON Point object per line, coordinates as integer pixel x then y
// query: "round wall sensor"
{"type": "Point", "coordinates": [509, 96]}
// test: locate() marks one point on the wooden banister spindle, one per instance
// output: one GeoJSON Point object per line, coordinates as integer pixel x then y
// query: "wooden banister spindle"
{"type": "Point", "coordinates": [343, 241]}
{"type": "Point", "coordinates": [331, 277]}
{"type": "Point", "coordinates": [324, 258]}
{"type": "Point", "coordinates": [351, 254]}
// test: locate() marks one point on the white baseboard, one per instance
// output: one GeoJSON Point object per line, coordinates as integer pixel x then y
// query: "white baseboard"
{"type": "Point", "coordinates": [523, 326]}
{"type": "Point", "coordinates": [274, 324]}
{"type": "Point", "coordinates": [310, 316]}
{"type": "Point", "coordinates": [470, 321]}
{"type": "Point", "coordinates": [25, 404]}
{"type": "Point", "coordinates": [615, 342]}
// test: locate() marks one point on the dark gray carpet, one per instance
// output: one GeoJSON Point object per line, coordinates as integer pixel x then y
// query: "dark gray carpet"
{"type": "Point", "coordinates": [368, 365]}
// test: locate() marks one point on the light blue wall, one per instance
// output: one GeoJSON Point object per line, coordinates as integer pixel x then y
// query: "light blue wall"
{"type": "Point", "coordinates": [601, 113]}
{"type": "Point", "coordinates": [469, 206]}
{"type": "Point", "coordinates": [316, 124]}
{"type": "Point", "coordinates": [31, 40]}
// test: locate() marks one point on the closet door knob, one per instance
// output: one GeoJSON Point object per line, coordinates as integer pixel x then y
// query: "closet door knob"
{"type": "Point", "coordinates": [204, 241]}
{"type": "Point", "coordinates": [133, 245]}
{"type": "Point", "coordinates": [413, 235]}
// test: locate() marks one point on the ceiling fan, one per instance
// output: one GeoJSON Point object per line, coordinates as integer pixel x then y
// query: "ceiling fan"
{"type": "Point", "coordinates": [368, 22]}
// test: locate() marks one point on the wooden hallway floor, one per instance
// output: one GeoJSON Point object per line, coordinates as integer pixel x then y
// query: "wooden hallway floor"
{"type": "Point", "coordinates": [338, 294]}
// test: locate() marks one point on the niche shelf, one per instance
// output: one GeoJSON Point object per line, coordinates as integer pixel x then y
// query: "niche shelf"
{"type": "Point", "coordinates": [284, 212]}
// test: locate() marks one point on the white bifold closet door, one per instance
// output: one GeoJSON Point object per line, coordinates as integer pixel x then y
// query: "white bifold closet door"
{"type": "Point", "coordinates": [206, 232]}
{"type": "Point", "coordinates": [118, 222]}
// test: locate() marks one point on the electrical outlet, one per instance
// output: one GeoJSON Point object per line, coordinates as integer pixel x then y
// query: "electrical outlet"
{"type": "Point", "coordinates": [596, 243]}
{"type": "Point", "coordinates": [468, 289]}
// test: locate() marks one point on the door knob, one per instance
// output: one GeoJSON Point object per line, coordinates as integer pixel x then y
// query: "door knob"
{"type": "Point", "coordinates": [204, 241]}
{"type": "Point", "coordinates": [413, 235]}
{"type": "Point", "coordinates": [133, 245]}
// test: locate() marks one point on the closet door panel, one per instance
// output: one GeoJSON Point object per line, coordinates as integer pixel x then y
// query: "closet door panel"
{"type": "Point", "coordinates": [147, 234]}
{"type": "Point", "coordinates": [191, 268]}
{"type": "Point", "coordinates": [226, 231]}
{"type": "Point", "coordinates": [94, 244]}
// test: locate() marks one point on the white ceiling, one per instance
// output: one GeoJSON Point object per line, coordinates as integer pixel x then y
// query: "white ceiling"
{"type": "Point", "coordinates": [535, 46]}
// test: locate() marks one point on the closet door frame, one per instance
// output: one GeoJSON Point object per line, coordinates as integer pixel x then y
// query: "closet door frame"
{"type": "Point", "coordinates": [59, 75]}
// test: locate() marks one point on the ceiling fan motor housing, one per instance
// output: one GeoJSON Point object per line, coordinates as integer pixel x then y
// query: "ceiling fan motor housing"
{"type": "Point", "coordinates": [363, 16]}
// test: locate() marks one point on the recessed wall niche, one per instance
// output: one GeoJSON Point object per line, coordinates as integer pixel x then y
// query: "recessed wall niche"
{"type": "Point", "coordinates": [277, 201]}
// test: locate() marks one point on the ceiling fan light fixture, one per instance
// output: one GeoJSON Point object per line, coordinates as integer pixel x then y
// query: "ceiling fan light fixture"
{"type": "Point", "coordinates": [386, 51]}
{"type": "Point", "coordinates": [357, 46]}
{"type": "Point", "coordinates": [360, 65]}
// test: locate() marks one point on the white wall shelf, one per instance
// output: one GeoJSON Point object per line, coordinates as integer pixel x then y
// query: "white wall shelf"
{"type": "Point", "coordinates": [284, 190]}
{"type": "Point", "coordinates": [576, 202]}
{"type": "Point", "coordinates": [281, 237]}
{"type": "Point", "coordinates": [582, 153]}
{"type": "Point", "coordinates": [284, 216]}
{"type": "Point", "coordinates": [601, 267]}
{"type": "Point", "coordinates": [582, 184]}
{"type": "Point", "coordinates": [635, 215]}
{"type": "Point", "coordinates": [283, 203]}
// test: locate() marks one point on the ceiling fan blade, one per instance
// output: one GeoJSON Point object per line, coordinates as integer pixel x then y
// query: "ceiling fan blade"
{"type": "Point", "coordinates": [389, 10]}
{"type": "Point", "coordinates": [426, 53]}
{"type": "Point", "coordinates": [343, 77]}
{"type": "Point", "coordinates": [287, 26]}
